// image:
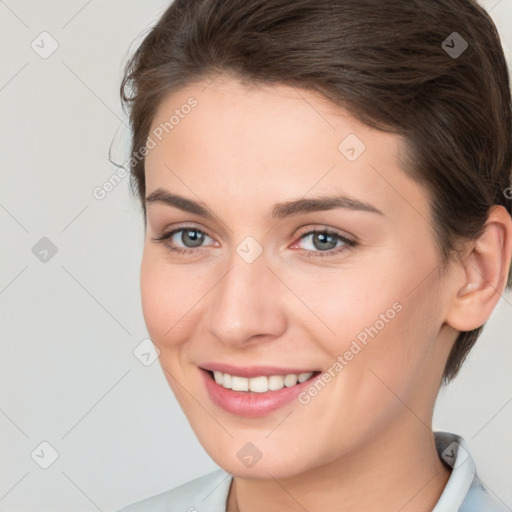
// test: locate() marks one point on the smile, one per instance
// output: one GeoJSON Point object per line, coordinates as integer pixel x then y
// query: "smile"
{"type": "Point", "coordinates": [260, 384]}
{"type": "Point", "coordinates": [255, 396]}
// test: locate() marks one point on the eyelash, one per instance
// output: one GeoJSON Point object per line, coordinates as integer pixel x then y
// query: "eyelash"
{"type": "Point", "coordinates": [348, 243]}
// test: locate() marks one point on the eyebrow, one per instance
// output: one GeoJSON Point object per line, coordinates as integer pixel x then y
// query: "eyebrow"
{"type": "Point", "coordinates": [278, 210]}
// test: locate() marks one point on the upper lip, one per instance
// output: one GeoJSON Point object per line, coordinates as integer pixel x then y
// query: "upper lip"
{"type": "Point", "coordinates": [253, 371]}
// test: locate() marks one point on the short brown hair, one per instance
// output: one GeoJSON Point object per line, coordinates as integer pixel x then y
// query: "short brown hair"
{"type": "Point", "coordinates": [394, 65]}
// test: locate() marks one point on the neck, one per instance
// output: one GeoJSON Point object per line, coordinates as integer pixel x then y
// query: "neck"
{"type": "Point", "coordinates": [397, 470]}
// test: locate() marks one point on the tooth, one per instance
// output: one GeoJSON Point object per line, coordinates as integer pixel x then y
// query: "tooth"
{"type": "Point", "coordinates": [226, 381]}
{"type": "Point", "coordinates": [275, 382]}
{"type": "Point", "coordinates": [239, 383]}
{"type": "Point", "coordinates": [290, 380]}
{"type": "Point", "coordinates": [304, 376]}
{"type": "Point", "coordinates": [258, 384]}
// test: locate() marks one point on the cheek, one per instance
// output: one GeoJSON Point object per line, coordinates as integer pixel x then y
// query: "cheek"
{"type": "Point", "coordinates": [382, 365]}
{"type": "Point", "coordinates": [166, 300]}
{"type": "Point", "coordinates": [396, 337]}
{"type": "Point", "coordinates": [375, 323]}
{"type": "Point", "coordinates": [344, 305]}
{"type": "Point", "coordinates": [152, 297]}
{"type": "Point", "coordinates": [161, 297]}
{"type": "Point", "coordinates": [171, 296]}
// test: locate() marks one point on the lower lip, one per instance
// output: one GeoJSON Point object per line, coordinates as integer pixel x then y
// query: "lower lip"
{"type": "Point", "coordinates": [250, 403]}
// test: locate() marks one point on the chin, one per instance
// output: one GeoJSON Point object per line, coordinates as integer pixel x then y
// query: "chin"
{"type": "Point", "coordinates": [263, 469]}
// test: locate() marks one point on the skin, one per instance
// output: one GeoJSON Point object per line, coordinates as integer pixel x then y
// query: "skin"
{"type": "Point", "coordinates": [365, 441]}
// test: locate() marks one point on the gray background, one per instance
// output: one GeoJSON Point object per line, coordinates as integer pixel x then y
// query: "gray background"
{"type": "Point", "coordinates": [69, 325]}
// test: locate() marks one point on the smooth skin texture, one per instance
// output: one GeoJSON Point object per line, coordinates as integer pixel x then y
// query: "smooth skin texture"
{"type": "Point", "coordinates": [364, 443]}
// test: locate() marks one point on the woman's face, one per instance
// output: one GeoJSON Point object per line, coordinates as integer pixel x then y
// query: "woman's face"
{"type": "Point", "coordinates": [256, 287]}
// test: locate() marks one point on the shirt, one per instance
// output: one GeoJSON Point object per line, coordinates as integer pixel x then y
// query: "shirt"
{"type": "Point", "coordinates": [464, 492]}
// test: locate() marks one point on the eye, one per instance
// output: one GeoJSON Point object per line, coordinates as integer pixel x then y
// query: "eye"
{"type": "Point", "coordinates": [323, 242]}
{"type": "Point", "coordinates": [192, 238]}
{"type": "Point", "coordinates": [326, 243]}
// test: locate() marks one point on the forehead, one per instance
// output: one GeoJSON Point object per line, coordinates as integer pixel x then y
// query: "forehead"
{"type": "Point", "coordinates": [271, 142]}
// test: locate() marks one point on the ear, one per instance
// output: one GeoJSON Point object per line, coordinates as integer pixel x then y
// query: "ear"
{"type": "Point", "coordinates": [483, 273]}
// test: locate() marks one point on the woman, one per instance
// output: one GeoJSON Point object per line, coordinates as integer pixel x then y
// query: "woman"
{"type": "Point", "coordinates": [326, 194]}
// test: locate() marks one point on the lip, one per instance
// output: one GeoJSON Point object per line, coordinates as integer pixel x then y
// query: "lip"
{"type": "Point", "coordinates": [249, 403]}
{"type": "Point", "coordinates": [254, 371]}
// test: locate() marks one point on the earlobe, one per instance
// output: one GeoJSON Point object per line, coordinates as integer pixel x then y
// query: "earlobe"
{"type": "Point", "coordinates": [484, 269]}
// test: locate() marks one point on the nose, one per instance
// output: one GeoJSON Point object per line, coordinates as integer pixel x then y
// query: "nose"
{"type": "Point", "coordinates": [247, 304]}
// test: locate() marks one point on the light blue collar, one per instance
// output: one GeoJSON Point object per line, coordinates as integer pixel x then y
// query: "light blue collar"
{"type": "Point", "coordinates": [452, 449]}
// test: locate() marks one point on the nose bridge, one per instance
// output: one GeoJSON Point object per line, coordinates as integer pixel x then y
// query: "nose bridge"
{"type": "Point", "coordinates": [245, 302]}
